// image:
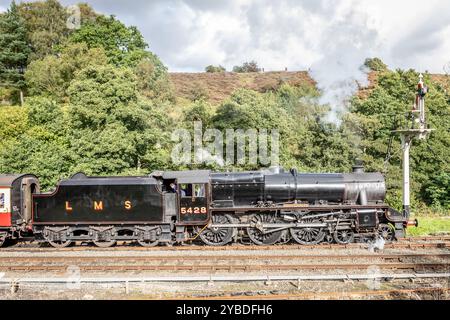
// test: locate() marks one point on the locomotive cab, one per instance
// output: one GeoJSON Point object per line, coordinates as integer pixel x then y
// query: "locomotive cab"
{"type": "Point", "coordinates": [192, 189]}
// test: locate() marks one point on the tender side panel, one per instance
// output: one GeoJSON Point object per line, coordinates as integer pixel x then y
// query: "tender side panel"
{"type": "Point", "coordinates": [100, 203]}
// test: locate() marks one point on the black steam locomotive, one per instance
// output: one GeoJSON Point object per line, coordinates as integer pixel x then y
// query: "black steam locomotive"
{"type": "Point", "coordinates": [261, 207]}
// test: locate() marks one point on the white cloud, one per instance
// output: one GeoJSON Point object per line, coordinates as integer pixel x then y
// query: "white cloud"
{"type": "Point", "coordinates": [190, 34]}
{"type": "Point", "coordinates": [2, 9]}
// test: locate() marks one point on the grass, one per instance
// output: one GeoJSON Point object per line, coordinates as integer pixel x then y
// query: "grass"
{"type": "Point", "coordinates": [431, 225]}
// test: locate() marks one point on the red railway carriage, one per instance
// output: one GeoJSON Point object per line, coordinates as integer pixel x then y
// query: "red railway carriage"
{"type": "Point", "coordinates": [16, 205]}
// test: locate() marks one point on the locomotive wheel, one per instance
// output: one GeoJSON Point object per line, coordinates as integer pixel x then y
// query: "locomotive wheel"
{"type": "Point", "coordinates": [217, 236]}
{"type": "Point", "coordinates": [387, 232]}
{"type": "Point", "coordinates": [257, 236]}
{"type": "Point", "coordinates": [60, 244]}
{"type": "Point", "coordinates": [105, 244]}
{"type": "Point", "coordinates": [148, 243]}
{"type": "Point", "coordinates": [344, 236]}
{"type": "Point", "coordinates": [308, 236]}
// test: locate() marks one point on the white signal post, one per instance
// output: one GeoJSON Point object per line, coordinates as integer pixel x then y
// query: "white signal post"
{"type": "Point", "coordinates": [418, 129]}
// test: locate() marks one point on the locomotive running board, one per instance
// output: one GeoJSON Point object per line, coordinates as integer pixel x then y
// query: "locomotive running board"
{"type": "Point", "coordinates": [270, 225]}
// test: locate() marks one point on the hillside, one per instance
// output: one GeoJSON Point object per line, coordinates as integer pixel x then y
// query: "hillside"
{"type": "Point", "coordinates": [218, 86]}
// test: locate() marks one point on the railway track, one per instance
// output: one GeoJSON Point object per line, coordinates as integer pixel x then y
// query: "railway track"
{"type": "Point", "coordinates": [218, 258]}
{"type": "Point", "coordinates": [406, 243]}
{"type": "Point", "coordinates": [436, 293]}
{"type": "Point", "coordinates": [231, 263]}
{"type": "Point", "coordinates": [417, 267]}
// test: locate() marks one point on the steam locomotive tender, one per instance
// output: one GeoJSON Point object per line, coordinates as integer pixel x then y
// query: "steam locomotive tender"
{"type": "Point", "coordinates": [262, 207]}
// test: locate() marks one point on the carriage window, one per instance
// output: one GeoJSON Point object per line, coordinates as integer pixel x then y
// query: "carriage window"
{"type": "Point", "coordinates": [2, 200]}
{"type": "Point", "coordinates": [199, 190]}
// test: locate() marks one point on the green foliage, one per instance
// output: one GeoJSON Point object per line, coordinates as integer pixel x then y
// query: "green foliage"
{"type": "Point", "coordinates": [45, 25]}
{"type": "Point", "coordinates": [87, 13]}
{"type": "Point", "coordinates": [198, 92]}
{"type": "Point", "coordinates": [437, 191]}
{"type": "Point", "coordinates": [35, 142]}
{"type": "Point", "coordinates": [251, 66]}
{"type": "Point", "coordinates": [123, 45]}
{"type": "Point", "coordinates": [214, 69]}
{"type": "Point", "coordinates": [199, 111]}
{"type": "Point", "coordinates": [112, 129]}
{"type": "Point", "coordinates": [13, 122]}
{"type": "Point", "coordinates": [153, 80]}
{"type": "Point", "coordinates": [13, 48]}
{"type": "Point", "coordinates": [386, 109]}
{"type": "Point", "coordinates": [248, 109]}
{"type": "Point", "coordinates": [375, 64]}
{"type": "Point", "coordinates": [52, 75]}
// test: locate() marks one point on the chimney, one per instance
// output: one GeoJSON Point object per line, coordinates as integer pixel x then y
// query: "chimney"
{"type": "Point", "coordinates": [358, 167]}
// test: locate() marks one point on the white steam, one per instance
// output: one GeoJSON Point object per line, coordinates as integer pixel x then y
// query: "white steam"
{"type": "Point", "coordinates": [340, 72]}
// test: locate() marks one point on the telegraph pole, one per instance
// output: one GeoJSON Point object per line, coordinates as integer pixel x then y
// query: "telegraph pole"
{"type": "Point", "coordinates": [418, 130]}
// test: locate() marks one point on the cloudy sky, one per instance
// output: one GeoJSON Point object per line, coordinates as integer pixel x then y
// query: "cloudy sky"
{"type": "Point", "coordinates": [297, 34]}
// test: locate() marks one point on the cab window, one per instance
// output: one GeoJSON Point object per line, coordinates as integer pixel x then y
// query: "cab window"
{"type": "Point", "coordinates": [185, 190]}
{"type": "Point", "coordinates": [192, 190]}
{"type": "Point", "coordinates": [2, 200]}
{"type": "Point", "coordinates": [199, 190]}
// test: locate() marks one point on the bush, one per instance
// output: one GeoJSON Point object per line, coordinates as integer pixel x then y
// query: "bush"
{"type": "Point", "coordinates": [214, 69]}
{"type": "Point", "coordinates": [198, 92]}
{"type": "Point", "coordinates": [375, 64]}
{"type": "Point", "coordinates": [251, 66]}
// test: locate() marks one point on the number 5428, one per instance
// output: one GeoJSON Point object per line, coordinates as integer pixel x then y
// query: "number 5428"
{"type": "Point", "coordinates": [192, 210]}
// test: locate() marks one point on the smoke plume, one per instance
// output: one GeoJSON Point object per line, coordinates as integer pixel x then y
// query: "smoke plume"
{"type": "Point", "coordinates": [341, 72]}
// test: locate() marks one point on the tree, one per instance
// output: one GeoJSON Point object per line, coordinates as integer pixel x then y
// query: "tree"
{"type": "Point", "coordinates": [124, 46]}
{"type": "Point", "coordinates": [213, 69]}
{"type": "Point", "coordinates": [34, 140]}
{"type": "Point", "coordinates": [153, 80]}
{"type": "Point", "coordinates": [52, 75]}
{"type": "Point", "coordinates": [375, 64]}
{"type": "Point", "coordinates": [199, 111]}
{"type": "Point", "coordinates": [248, 109]}
{"type": "Point", "coordinates": [87, 13]}
{"type": "Point", "coordinates": [384, 110]}
{"type": "Point", "coordinates": [437, 191]}
{"type": "Point", "coordinates": [46, 26]}
{"type": "Point", "coordinates": [111, 129]}
{"type": "Point", "coordinates": [251, 66]}
{"type": "Point", "coordinates": [14, 50]}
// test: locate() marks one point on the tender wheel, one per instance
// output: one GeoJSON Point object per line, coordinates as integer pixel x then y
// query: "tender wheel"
{"type": "Point", "coordinates": [10, 242]}
{"type": "Point", "coordinates": [59, 243]}
{"type": "Point", "coordinates": [217, 236]}
{"type": "Point", "coordinates": [387, 232]}
{"type": "Point", "coordinates": [3, 239]}
{"type": "Point", "coordinates": [148, 243]}
{"type": "Point", "coordinates": [257, 234]}
{"type": "Point", "coordinates": [344, 236]}
{"type": "Point", "coordinates": [105, 244]}
{"type": "Point", "coordinates": [308, 236]}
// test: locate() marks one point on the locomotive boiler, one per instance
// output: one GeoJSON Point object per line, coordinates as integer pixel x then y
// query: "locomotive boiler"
{"type": "Point", "coordinates": [277, 186]}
